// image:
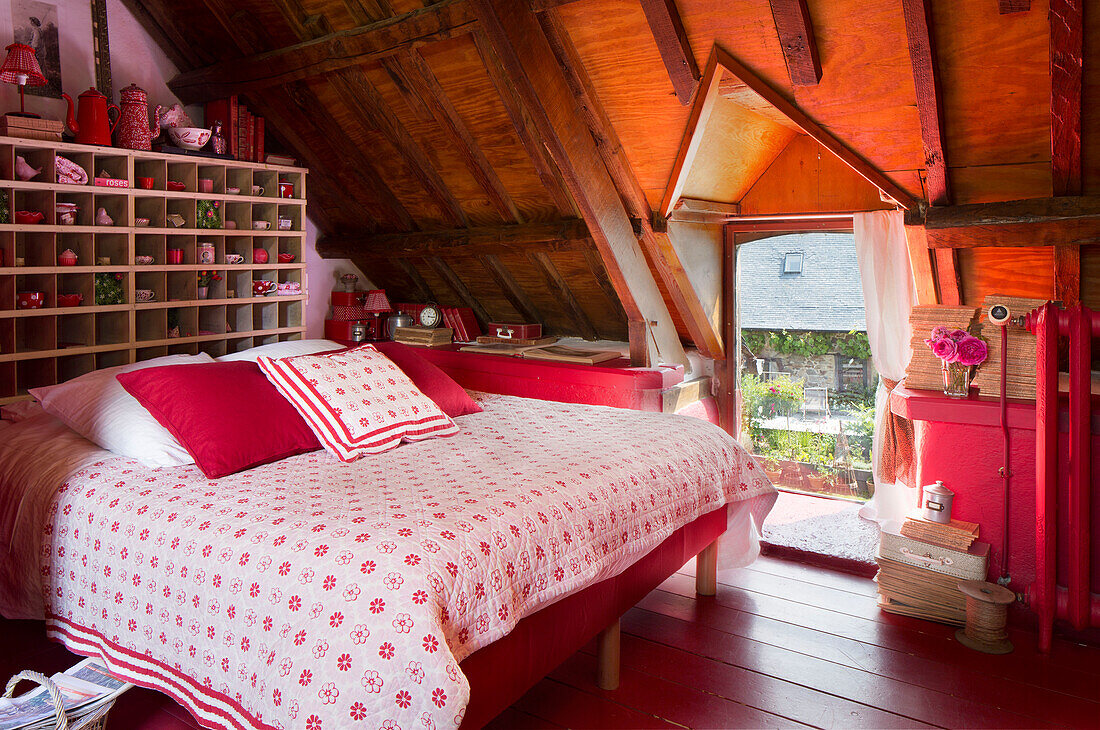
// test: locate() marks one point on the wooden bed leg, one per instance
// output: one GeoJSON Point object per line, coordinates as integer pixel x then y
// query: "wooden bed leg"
{"type": "Point", "coordinates": [607, 657]}
{"type": "Point", "coordinates": [706, 570]}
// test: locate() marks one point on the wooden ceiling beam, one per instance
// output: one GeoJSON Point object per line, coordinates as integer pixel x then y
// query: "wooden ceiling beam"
{"type": "Point", "coordinates": [418, 281]}
{"type": "Point", "coordinates": [365, 12]}
{"type": "Point", "coordinates": [599, 273]}
{"type": "Point", "coordinates": [1013, 6]}
{"type": "Point", "coordinates": [354, 164]}
{"type": "Point", "coordinates": [398, 74]}
{"type": "Point", "coordinates": [1032, 210]}
{"type": "Point", "coordinates": [559, 288]}
{"type": "Point", "coordinates": [155, 18]}
{"type": "Point", "coordinates": [528, 135]}
{"type": "Point", "coordinates": [525, 53]}
{"type": "Point", "coordinates": [513, 291]}
{"type": "Point", "coordinates": [471, 241]}
{"type": "Point", "coordinates": [693, 205]}
{"type": "Point", "coordinates": [303, 24]}
{"type": "Point", "coordinates": [1066, 58]}
{"type": "Point", "coordinates": [948, 283]}
{"type": "Point", "coordinates": [352, 85]}
{"type": "Point", "coordinates": [922, 58]}
{"type": "Point", "coordinates": [1073, 232]}
{"type": "Point", "coordinates": [672, 43]}
{"type": "Point", "coordinates": [655, 242]}
{"type": "Point", "coordinates": [796, 37]}
{"type": "Point", "coordinates": [427, 87]}
{"type": "Point", "coordinates": [324, 55]}
{"type": "Point", "coordinates": [452, 280]}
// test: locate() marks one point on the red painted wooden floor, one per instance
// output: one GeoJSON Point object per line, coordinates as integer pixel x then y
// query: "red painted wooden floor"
{"type": "Point", "coordinates": [781, 645]}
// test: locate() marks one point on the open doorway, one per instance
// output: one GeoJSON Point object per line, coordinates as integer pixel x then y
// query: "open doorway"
{"type": "Point", "coordinates": [807, 385]}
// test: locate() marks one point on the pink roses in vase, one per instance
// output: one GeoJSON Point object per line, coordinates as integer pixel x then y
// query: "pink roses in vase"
{"type": "Point", "coordinates": [960, 352]}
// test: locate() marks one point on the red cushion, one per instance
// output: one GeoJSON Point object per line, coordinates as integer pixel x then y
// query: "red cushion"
{"type": "Point", "coordinates": [227, 415]}
{"type": "Point", "coordinates": [451, 398]}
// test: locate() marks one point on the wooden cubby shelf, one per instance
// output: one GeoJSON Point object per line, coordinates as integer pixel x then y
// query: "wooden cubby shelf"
{"type": "Point", "coordinates": [52, 344]}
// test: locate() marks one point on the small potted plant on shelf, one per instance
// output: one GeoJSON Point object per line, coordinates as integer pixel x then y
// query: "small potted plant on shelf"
{"type": "Point", "coordinates": [959, 352]}
{"type": "Point", "coordinates": [208, 214]}
{"type": "Point", "coordinates": [205, 279]}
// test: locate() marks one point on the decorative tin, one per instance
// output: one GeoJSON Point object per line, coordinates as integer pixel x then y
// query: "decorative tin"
{"type": "Point", "coordinates": [206, 253]}
{"type": "Point", "coordinates": [936, 503]}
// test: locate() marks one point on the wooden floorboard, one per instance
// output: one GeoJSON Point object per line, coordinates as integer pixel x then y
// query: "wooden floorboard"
{"type": "Point", "coordinates": [900, 698]}
{"type": "Point", "coordinates": [912, 636]}
{"type": "Point", "coordinates": [781, 645]}
{"type": "Point", "coordinates": [1044, 705]}
{"type": "Point", "coordinates": [754, 689]}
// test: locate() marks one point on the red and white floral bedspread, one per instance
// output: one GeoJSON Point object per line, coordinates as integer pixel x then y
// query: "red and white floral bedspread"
{"type": "Point", "coordinates": [315, 594]}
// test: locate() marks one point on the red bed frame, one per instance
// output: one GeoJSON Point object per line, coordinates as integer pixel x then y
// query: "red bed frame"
{"type": "Point", "coordinates": [502, 672]}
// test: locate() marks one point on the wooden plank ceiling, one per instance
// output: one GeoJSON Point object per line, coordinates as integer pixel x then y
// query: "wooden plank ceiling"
{"type": "Point", "coordinates": [446, 172]}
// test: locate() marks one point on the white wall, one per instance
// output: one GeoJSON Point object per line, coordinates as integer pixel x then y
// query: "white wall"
{"type": "Point", "coordinates": [136, 58]}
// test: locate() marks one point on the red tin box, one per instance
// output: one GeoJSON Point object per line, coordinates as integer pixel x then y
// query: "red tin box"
{"type": "Point", "coordinates": [515, 331]}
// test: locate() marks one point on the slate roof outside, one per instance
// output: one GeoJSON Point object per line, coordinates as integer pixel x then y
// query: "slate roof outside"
{"type": "Point", "coordinates": [826, 297]}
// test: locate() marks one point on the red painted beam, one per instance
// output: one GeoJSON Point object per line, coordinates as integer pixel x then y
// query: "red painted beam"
{"type": "Point", "coordinates": [1046, 471]}
{"type": "Point", "coordinates": [673, 45]}
{"type": "Point", "coordinates": [1066, 54]}
{"type": "Point", "coordinates": [796, 37]}
{"type": "Point", "coordinates": [922, 57]}
{"type": "Point", "coordinates": [1080, 465]}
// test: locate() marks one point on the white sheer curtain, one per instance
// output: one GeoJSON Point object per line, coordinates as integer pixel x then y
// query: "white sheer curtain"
{"type": "Point", "coordinates": [888, 295]}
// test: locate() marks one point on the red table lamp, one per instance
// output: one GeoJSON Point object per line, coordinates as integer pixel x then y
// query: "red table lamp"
{"type": "Point", "coordinates": [21, 67]}
{"type": "Point", "coordinates": [376, 303]}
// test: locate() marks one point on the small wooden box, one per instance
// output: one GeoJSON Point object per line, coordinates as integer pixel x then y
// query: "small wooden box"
{"type": "Point", "coordinates": [969, 565]}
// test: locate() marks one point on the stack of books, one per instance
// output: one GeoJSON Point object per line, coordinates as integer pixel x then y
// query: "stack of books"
{"type": "Point", "coordinates": [243, 130]}
{"type": "Point", "coordinates": [925, 369]}
{"type": "Point", "coordinates": [957, 535]}
{"type": "Point", "coordinates": [1020, 353]}
{"type": "Point", "coordinates": [462, 321]}
{"type": "Point", "coordinates": [920, 569]}
{"type": "Point", "coordinates": [911, 591]}
{"type": "Point", "coordinates": [423, 336]}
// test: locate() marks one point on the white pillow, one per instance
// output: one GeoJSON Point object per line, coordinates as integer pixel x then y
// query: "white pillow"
{"type": "Point", "coordinates": [290, 348]}
{"type": "Point", "coordinates": [96, 407]}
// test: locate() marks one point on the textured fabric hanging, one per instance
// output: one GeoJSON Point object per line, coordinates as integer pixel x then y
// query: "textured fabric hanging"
{"type": "Point", "coordinates": [888, 294]}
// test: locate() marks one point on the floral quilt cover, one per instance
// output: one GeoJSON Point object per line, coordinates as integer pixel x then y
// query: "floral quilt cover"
{"type": "Point", "coordinates": [315, 594]}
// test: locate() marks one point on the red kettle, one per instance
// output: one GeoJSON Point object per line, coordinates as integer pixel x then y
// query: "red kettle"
{"type": "Point", "coordinates": [92, 124]}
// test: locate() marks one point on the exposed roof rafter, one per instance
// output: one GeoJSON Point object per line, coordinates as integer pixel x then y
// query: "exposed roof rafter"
{"type": "Point", "coordinates": [672, 43]}
{"type": "Point", "coordinates": [326, 54]}
{"type": "Point", "coordinates": [796, 37]}
{"type": "Point", "coordinates": [922, 57]}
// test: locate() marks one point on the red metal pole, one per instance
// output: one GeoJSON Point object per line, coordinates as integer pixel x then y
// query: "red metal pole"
{"type": "Point", "coordinates": [1080, 437]}
{"type": "Point", "coordinates": [1045, 326]}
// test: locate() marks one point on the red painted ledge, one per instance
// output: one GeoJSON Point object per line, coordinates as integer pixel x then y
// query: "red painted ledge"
{"type": "Point", "coordinates": [932, 405]}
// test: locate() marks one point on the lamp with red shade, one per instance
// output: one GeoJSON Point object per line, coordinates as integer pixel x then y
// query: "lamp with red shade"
{"type": "Point", "coordinates": [376, 303]}
{"type": "Point", "coordinates": [21, 68]}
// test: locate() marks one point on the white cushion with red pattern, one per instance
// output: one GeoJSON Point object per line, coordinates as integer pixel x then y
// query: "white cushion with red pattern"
{"type": "Point", "coordinates": [356, 401]}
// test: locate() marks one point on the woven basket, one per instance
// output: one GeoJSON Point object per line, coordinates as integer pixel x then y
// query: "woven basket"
{"type": "Point", "coordinates": [94, 720]}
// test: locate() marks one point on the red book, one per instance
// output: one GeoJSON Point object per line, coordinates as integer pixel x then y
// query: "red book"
{"type": "Point", "coordinates": [242, 133]}
{"type": "Point", "coordinates": [259, 140]}
{"type": "Point", "coordinates": [225, 111]}
{"type": "Point", "coordinates": [467, 322]}
{"type": "Point", "coordinates": [450, 321]}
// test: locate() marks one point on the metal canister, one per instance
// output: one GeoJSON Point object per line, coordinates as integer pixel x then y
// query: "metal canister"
{"type": "Point", "coordinates": [936, 503]}
{"type": "Point", "coordinates": [398, 320]}
{"type": "Point", "coordinates": [358, 332]}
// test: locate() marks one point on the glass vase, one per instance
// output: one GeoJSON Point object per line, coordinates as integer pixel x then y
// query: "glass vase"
{"type": "Point", "coordinates": [956, 379]}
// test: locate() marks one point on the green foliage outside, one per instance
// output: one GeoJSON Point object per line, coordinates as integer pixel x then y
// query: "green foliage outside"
{"type": "Point", "coordinates": [852, 345]}
{"type": "Point", "coordinates": [761, 400]}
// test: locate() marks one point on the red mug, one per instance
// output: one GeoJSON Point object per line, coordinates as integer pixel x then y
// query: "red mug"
{"type": "Point", "coordinates": [261, 287]}
{"type": "Point", "coordinates": [175, 256]}
{"type": "Point", "coordinates": [146, 183]}
{"type": "Point", "coordinates": [31, 299]}
{"type": "Point", "coordinates": [286, 190]}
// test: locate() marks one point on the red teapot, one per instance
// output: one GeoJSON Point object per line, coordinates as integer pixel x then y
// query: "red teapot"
{"type": "Point", "coordinates": [133, 124]}
{"type": "Point", "coordinates": [92, 124]}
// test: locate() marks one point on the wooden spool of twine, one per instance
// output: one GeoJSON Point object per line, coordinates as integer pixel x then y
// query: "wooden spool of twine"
{"type": "Point", "coordinates": [986, 617]}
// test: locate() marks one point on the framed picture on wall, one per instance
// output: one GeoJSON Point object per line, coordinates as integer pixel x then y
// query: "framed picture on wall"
{"type": "Point", "coordinates": [35, 23]}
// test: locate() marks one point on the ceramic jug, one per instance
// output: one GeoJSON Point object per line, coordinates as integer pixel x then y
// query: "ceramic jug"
{"type": "Point", "coordinates": [134, 132]}
{"type": "Point", "coordinates": [92, 123]}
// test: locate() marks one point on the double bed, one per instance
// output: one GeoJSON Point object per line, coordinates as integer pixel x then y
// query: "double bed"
{"type": "Point", "coordinates": [427, 586]}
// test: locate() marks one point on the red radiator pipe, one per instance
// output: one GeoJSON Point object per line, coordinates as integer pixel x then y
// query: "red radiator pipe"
{"type": "Point", "coordinates": [1076, 602]}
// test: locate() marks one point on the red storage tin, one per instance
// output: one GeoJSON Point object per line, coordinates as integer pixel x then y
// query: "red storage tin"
{"type": "Point", "coordinates": [515, 331]}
